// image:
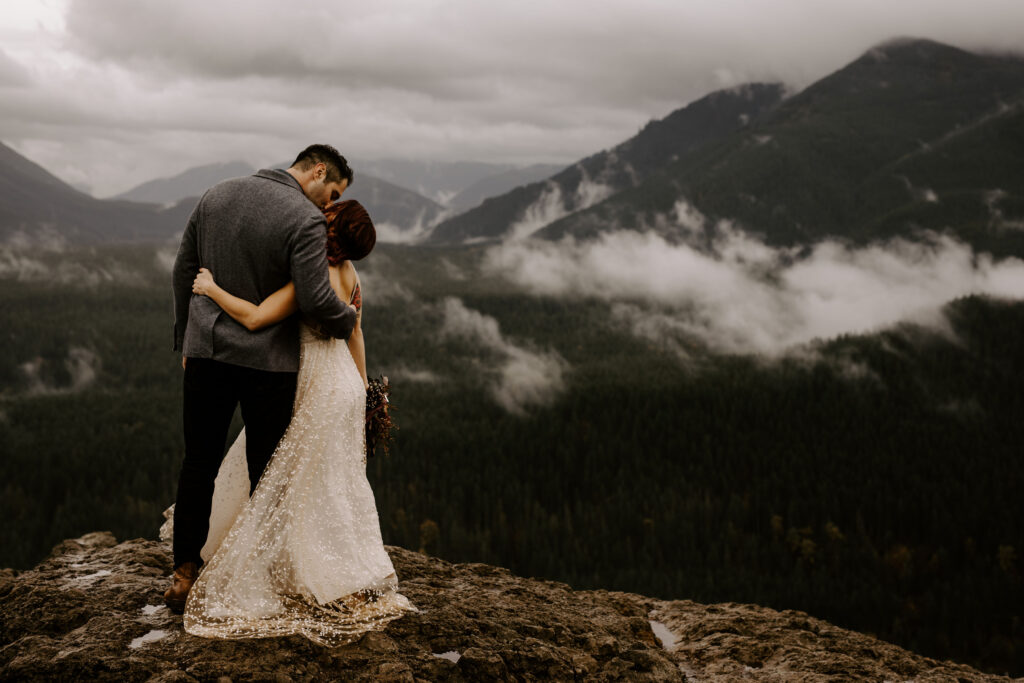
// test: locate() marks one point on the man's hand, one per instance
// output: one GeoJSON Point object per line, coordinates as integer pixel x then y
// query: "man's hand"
{"type": "Point", "coordinates": [183, 359]}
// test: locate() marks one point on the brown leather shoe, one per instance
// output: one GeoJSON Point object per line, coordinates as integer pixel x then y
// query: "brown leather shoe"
{"type": "Point", "coordinates": [184, 577]}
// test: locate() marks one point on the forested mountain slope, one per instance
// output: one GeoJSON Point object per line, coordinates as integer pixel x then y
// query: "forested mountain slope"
{"type": "Point", "coordinates": [191, 182]}
{"type": "Point", "coordinates": [872, 480]}
{"type": "Point", "coordinates": [591, 180]}
{"type": "Point", "coordinates": [912, 135]}
{"type": "Point", "coordinates": [35, 204]}
{"type": "Point", "coordinates": [499, 184]}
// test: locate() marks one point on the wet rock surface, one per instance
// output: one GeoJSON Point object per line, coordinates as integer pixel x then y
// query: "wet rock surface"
{"type": "Point", "coordinates": [93, 611]}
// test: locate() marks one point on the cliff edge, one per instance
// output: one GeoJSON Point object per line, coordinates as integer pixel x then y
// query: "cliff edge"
{"type": "Point", "coordinates": [93, 611]}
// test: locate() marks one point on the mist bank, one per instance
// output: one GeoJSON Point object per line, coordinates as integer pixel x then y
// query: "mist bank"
{"type": "Point", "coordinates": [732, 292]}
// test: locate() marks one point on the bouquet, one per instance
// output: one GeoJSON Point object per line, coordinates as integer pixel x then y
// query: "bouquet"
{"type": "Point", "coordinates": [378, 419]}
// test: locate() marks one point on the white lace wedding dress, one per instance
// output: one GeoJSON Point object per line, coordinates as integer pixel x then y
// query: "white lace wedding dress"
{"type": "Point", "coordinates": [304, 555]}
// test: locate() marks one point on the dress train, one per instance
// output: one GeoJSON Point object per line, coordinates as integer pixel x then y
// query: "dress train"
{"type": "Point", "coordinates": [304, 554]}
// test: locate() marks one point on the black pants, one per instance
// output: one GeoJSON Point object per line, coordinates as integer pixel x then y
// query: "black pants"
{"type": "Point", "coordinates": [212, 391]}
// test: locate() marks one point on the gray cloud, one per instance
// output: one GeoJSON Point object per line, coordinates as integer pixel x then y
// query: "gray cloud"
{"type": "Point", "coordinates": [413, 374]}
{"type": "Point", "coordinates": [11, 72]}
{"type": "Point", "coordinates": [164, 258]}
{"type": "Point", "coordinates": [82, 366]}
{"type": "Point", "coordinates": [522, 377]}
{"type": "Point", "coordinates": [378, 287]}
{"type": "Point", "coordinates": [30, 258]}
{"type": "Point", "coordinates": [551, 205]}
{"type": "Point", "coordinates": [742, 296]}
{"type": "Point", "coordinates": [408, 234]}
{"type": "Point", "coordinates": [116, 92]}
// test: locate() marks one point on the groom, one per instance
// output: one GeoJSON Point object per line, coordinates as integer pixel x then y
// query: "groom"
{"type": "Point", "coordinates": [255, 234]}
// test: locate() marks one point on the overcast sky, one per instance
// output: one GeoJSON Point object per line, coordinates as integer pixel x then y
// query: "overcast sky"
{"type": "Point", "coordinates": [111, 93]}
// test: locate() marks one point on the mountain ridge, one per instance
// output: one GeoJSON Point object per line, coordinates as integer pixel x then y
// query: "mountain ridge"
{"type": "Point", "coordinates": [827, 161]}
{"type": "Point", "coordinates": [495, 185]}
{"type": "Point", "coordinates": [35, 204]}
{"type": "Point", "coordinates": [598, 176]}
{"type": "Point", "coordinates": [191, 182]}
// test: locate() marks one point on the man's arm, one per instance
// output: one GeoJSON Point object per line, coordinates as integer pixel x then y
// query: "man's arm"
{"type": "Point", "coordinates": [313, 290]}
{"type": "Point", "coordinates": [186, 265]}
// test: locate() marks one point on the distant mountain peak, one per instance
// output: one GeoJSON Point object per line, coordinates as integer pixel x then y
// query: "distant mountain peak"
{"type": "Point", "coordinates": [35, 202]}
{"type": "Point", "coordinates": [526, 210]}
{"type": "Point", "coordinates": [748, 91]}
{"type": "Point", "coordinates": [912, 135]}
{"type": "Point", "coordinates": [189, 183]}
{"type": "Point", "coordinates": [911, 50]}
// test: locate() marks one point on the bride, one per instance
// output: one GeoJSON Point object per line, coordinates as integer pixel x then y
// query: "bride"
{"type": "Point", "coordinates": [303, 555]}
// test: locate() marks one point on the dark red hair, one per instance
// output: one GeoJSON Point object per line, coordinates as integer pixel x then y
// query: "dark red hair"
{"type": "Point", "coordinates": [350, 232]}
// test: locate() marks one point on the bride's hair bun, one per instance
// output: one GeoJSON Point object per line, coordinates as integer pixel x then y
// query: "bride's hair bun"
{"type": "Point", "coordinates": [350, 232]}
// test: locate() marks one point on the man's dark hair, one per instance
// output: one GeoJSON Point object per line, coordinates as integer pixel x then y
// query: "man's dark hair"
{"type": "Point", "coordinates": [337, 166]}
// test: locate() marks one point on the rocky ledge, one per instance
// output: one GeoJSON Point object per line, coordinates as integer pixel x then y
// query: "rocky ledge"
{"type": "Point", "coordinates": [93, 611]}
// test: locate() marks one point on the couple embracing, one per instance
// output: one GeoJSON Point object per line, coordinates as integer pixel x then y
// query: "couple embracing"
{"type": "Point", "coordinates": [281, 535]}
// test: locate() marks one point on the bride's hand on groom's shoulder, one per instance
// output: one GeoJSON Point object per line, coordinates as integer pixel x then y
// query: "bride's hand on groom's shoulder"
{"type": "Point", "coordinates": [203, 282]}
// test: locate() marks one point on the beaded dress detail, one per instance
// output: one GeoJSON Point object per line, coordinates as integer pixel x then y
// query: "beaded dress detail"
{"type": "Point", "coordinates": [304, 555]}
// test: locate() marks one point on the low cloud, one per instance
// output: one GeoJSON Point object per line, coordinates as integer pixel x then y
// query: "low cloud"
{"type": "Point", "coordinates": [414, 375]}
{"type": "Point", "coordinates": [740, 295]}
{"type": "Point", "coordinates": [997, 219]}
{"type": "Point", "coordinates": [379, 287]}
{"type": "Point", "coordinates": [451, 271]}
{"type": "Point", "coordinates": [419, 229]}
{"type": "Point", "coordinates": [522, 377]}
{"type": "Point", "coordinates": [22, 266]}
{"type": "Point", "coordinates": [82, 366]}
{"type": "Point", "coordinates": [44, 239]}
{"type": "Point", "coordinates": [164, 258]}
{"type": "Point", "coordinates": [17, 266]}
{"type": "Point", "coordinates": [389, 233]}
{"type": "Point", "coordinates": [553, 205]}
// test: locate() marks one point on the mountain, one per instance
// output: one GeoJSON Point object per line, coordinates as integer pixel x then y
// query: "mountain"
{"type": "Point", "coordinates": [438, 180]}
{"type": "Point", "coordinates": [92, 611]}
{"type": "Point", "coordinates": [525, 210]}
{"type": "Point", "coordinates": [35, 204]}
{"type": "Point", "coordinates": [667, 464]}
{"type": "Point", "coordinates": [457, 185]}
{"type": "Point", "coordinates": [913, 134]}
{"type": "Point", "coordinates": [398, 214]}
{"type": "Point", "coordinates": [492, 186]}
{"type": "Point", "coordinates": [190, 183]}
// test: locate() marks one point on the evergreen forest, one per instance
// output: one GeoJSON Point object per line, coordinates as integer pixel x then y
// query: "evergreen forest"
{"type": "Point", "coordinates": [873, 480]}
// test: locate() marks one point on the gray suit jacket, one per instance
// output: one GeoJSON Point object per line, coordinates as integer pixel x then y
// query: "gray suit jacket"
{"type": "Point", "coordinates": [255, 234]}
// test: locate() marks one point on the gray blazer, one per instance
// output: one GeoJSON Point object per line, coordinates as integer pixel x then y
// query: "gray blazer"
{"type": "Point", "coordinates": [255, 234]}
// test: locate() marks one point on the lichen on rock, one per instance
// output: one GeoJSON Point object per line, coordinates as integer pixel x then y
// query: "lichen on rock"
{"type": "Point", "coordinates": [93, 611]}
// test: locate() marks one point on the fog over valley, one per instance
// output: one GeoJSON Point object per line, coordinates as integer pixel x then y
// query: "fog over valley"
{"type": "Point", "coordinates": [739, 295]}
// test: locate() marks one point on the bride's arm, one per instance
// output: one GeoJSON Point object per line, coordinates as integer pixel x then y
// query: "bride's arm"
{"type": "Point", "coordinates": [356, 346]}
{"type": "Point", "coordinates": [273, 309]}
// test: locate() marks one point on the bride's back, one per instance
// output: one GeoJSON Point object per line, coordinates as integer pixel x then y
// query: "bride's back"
{"type": "Point", "coordinates": [344, 280]}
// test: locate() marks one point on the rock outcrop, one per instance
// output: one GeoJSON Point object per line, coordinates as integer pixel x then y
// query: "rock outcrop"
{"type": "Point", "coordinates": [93, 611]}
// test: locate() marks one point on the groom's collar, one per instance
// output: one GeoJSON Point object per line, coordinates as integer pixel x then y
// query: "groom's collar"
{"type": "Point", "coordinates": [280, 176]}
